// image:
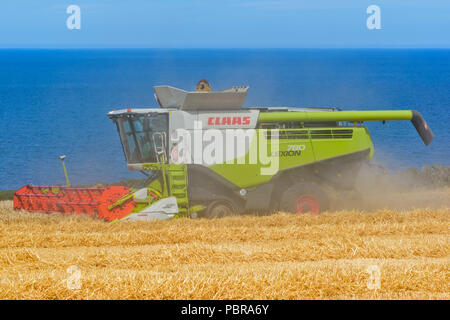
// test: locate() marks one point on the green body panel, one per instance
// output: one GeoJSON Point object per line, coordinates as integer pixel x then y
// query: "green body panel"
{"type": "Point", "coordinates": [317, 147]}
{"type": "Point", "coordinates": [336, 116]}
{"type": "Point", "coordinates": [177, 183]}
{"type": "Point", "coordinates": [172, 182]}
{"type": "Point", "coordinates": [330, 148]}
{"type": "Point", "coordinates": [319, 144]}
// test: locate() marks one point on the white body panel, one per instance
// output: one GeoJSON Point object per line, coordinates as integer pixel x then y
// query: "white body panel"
{"type": "Point", "coordinates": [163, 209]}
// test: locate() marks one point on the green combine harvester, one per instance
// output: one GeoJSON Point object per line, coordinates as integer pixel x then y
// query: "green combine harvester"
{"type": "Point", "coordinates": [205, 155]}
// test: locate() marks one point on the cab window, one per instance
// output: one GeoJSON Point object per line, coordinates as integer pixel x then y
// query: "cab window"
{"type": "Point", "coordinates": [137, 135]}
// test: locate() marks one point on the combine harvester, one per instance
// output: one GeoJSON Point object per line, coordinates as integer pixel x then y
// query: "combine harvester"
{"type": "Point", "coordinates": [285, 159]}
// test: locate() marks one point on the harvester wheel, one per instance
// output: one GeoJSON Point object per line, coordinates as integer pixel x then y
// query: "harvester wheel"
{"type": "Point", "coordinates": [219, 208]}
{"type": "Point", "coordinates": [304, 198]}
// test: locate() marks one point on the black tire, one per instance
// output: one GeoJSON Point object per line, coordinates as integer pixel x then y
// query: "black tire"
{"type": "Point", "coordinates": [304, 198]}
{"type": "Point", "coordinates": [219, 209]}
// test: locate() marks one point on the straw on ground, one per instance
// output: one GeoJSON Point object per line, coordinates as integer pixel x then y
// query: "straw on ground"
{"type": "Point", "coordinates": [272, 257]}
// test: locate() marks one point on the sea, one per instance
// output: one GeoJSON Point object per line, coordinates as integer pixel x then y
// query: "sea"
{"type": "Point", "coordinates": [54, 102]}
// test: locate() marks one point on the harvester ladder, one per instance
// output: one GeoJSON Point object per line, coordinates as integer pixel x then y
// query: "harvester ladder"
{"type": "Point", "coordinates": [177, 175]}
{"type": "Point", "coordinates": [160, 151]}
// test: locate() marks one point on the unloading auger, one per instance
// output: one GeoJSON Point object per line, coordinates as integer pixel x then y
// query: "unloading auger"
{"type": "Point", "coordinates": [315, 148]}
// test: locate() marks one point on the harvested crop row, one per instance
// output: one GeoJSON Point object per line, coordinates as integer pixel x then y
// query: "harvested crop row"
{"type": "Point", "coordinates": [279, 256]}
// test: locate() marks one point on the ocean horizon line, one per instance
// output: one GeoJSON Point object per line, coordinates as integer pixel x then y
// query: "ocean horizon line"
{"type": "Point", "coordinates": [222, 48]}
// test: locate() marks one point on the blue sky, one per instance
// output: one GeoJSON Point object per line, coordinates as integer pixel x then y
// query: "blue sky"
{"type": "Point", "coordinates": [224, 24]}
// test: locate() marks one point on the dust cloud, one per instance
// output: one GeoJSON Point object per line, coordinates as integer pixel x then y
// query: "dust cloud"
{"type": "Point", "coordinates": [376, 188]}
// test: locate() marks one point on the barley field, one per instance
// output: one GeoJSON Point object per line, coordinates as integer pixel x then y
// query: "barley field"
{"type": "Point", "coordinates": [382, 254]}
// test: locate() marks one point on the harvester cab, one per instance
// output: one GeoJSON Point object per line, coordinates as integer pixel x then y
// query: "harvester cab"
{"type": "Point", "coordinates": [205, 154]}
